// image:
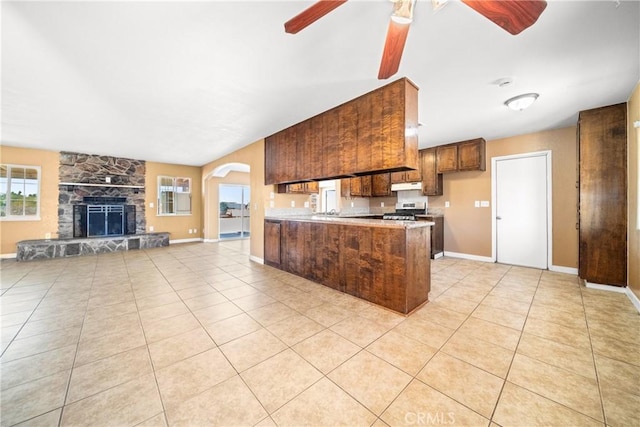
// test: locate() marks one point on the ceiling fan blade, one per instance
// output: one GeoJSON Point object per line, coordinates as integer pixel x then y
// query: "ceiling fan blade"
{"type": "Point", "coordinates": [393, 47]}
{"type": "Point", "coordinates": [311, 15]}
{"type": "Point", "coordinates": [512, 15]}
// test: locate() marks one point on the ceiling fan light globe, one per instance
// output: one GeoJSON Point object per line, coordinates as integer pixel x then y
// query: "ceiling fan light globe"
{"type": "Point", "coordinates": [403, 11]}
{"type": "Point", "coordinates": [401, 19]}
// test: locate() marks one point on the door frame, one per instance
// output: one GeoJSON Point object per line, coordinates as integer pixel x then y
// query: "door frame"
{"type": "Point", "coordinates": [243, 210]}
{"type": "Point", "coordinates": [494, 209]}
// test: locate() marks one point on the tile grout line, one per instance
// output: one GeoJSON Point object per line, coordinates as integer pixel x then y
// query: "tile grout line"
{"type": "Point", "coordinates": [153, 368]}
{"type": "Point", "coordinates": [515, 351]}
{"type": "Point", "coordinates": [593, 357]}
{"type": "Point", "coordinates": [86, 309]}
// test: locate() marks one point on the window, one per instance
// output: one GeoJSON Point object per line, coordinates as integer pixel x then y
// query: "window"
{"type": "Point", "coordinates": [174, 196]}
{"type": "Point", "coordinates": [19, 192]}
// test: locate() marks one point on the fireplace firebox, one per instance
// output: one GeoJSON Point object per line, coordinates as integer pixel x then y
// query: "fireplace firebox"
{"type": "Point", "coordinates": [104, 216]}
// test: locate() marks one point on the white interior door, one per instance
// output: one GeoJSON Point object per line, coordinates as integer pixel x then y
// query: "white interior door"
{"type": "Point", "coordinates": [522, 211]}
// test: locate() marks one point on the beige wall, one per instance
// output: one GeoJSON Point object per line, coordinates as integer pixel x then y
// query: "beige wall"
{"type": "Point", "coordinates": [468, 229]}
{"type": "Point", "coordinates": [11, 232]}
{"type": "Point", "coordinates": [177, 225]}
{"type": "Point", "coordinates": [633, 259]}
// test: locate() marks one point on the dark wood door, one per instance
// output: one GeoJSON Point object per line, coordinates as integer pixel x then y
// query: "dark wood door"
{"type": "Point", "coordinates": [603, 195]}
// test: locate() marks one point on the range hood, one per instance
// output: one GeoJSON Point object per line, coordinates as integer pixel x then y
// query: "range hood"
{"type": "Point", "coordinates": [406, 186]}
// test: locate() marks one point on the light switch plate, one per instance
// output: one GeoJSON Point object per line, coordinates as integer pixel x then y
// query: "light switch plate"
{"type": "Point", "coordinates": [293, 203]}
{"type": "Point", "coordinates": [484, 204]}
{"type": "Point", "coordinates": [476, 203]}
{"type": "Point", "coordinates": [447, 204]}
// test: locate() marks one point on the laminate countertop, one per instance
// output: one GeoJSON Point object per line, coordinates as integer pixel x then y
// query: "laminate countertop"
{"type": "Point", "coordinates": [359, 220]}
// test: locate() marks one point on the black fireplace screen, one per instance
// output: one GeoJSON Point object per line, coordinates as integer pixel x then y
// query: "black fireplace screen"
{"type": "Point", "coordinates": [103, 220]}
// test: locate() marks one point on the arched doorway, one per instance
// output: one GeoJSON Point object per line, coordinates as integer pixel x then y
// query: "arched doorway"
{"type": "Point", "coordinates": [227, 202]}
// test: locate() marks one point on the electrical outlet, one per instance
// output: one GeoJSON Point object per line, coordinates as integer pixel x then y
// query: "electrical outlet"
{"type": "Point", "coordinates": [151, 228]}
{"type": "Point", "coordinates": [195, 231]}
{"type": "Point", "coordinates": [352, 204]}
{"type": "Point", "coordinates": [306, 204]}
{"type": "Point", "coordinates": [151, 204]}
{"type": "Point", "coordinates": [47, 236]}
{"type": "Point", "coordinates": [272, 195]}
{"type": "Point", "coordinates": [108, 180]}
{"type": "Point", "coordinates": [190, 231]}
{"type": "Point", "coordinates": [382, 204]}
{"type": "Point", "coordinates": [272, 203]}
{"type": "Point", "coordinates": [293, 203]}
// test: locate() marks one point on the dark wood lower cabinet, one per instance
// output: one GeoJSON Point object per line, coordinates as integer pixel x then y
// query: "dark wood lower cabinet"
{"type": "Point", "coordinates": [437, 235]}
{"type": "Point", "coordinates": [388, 266]}
{"type": "Point", "coordinates": [272, 243]}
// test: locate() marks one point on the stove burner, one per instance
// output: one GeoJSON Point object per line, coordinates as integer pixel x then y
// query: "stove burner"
{"type": "Point", "coordinates": [400, 216]}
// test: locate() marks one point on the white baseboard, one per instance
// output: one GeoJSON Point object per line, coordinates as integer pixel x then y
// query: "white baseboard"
{"type": "Point", "coordinates": [197, 239]}
{"type": "Point", "coordinates": [561, 269]}
{"type": "Point", "coordinates": [211, 240]}
{"type": "Point", "coordinates": [634, 298]}
{"type": "Point", "coordinates": [617, 289]}
{"type": "Point", "coordinates": [438, 255]}
{"type": "Point", "coordinates": [8, 256]}
{"type": "Point", "coordinates": [610, 288]}
{"type": "Point", "coordinates": [256, 259]}
{"type": "Point", "coordinates": [468, 256]}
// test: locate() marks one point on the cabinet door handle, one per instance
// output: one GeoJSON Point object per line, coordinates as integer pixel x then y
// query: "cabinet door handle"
{"type": "Point", "coordinates": [498, 217]}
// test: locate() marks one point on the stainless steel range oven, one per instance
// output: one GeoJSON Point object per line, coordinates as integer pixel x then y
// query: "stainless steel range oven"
{"type": "Point", "coordinates": [407, 211]}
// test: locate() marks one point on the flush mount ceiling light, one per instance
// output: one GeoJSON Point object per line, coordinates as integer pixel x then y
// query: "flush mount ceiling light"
{"type": "Point", "coordinates": [520, 102]}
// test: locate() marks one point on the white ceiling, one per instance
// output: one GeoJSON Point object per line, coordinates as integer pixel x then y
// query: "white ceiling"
{"type": "Point", "coordinates": [188, 82]}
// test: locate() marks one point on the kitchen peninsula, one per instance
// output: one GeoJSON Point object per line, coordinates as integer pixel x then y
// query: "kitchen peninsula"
{"type": "Point", "coordinates": [382, 261]}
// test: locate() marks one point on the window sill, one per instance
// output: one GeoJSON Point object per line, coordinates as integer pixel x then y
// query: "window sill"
{"type": "Point", "coordinates": [19, 219]}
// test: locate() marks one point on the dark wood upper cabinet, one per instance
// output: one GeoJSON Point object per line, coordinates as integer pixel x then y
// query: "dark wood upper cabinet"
{"type": "Point", "coordinates": [381, 185]}
{"type": "Point", "coordinates": [431, 179]}
{"type": "Point", "coordinates": [462, 156]}
{"type": "Point", "coordinates": [299, 188]}
{"type": "Point", "coordinates": [376, 132]}
{"type": "Point", "coordinates": [602, 135]}
{"type": "Point", "coordinates": [406, 176]}
{"type": "Point", "coordinates": [472, 155]}
{"type": "Point", "coordinates": [447, 158]}
{"type": "Point", "coordinates": [359, 186]}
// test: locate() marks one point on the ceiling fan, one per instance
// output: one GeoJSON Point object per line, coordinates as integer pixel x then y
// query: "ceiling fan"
{"type": "Point", "coordinates": [513, 16]}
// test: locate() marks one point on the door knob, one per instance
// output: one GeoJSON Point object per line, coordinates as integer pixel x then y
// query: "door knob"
{"type": "Point", "coordinates": [498, 217]}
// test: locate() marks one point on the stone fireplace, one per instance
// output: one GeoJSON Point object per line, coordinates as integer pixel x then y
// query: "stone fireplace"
{"type": "Point", "coordinates": [100, 196]}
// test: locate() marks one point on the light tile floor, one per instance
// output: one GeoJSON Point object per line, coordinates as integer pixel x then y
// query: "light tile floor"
{"type": "Point", "coordinates": [198, 335]}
